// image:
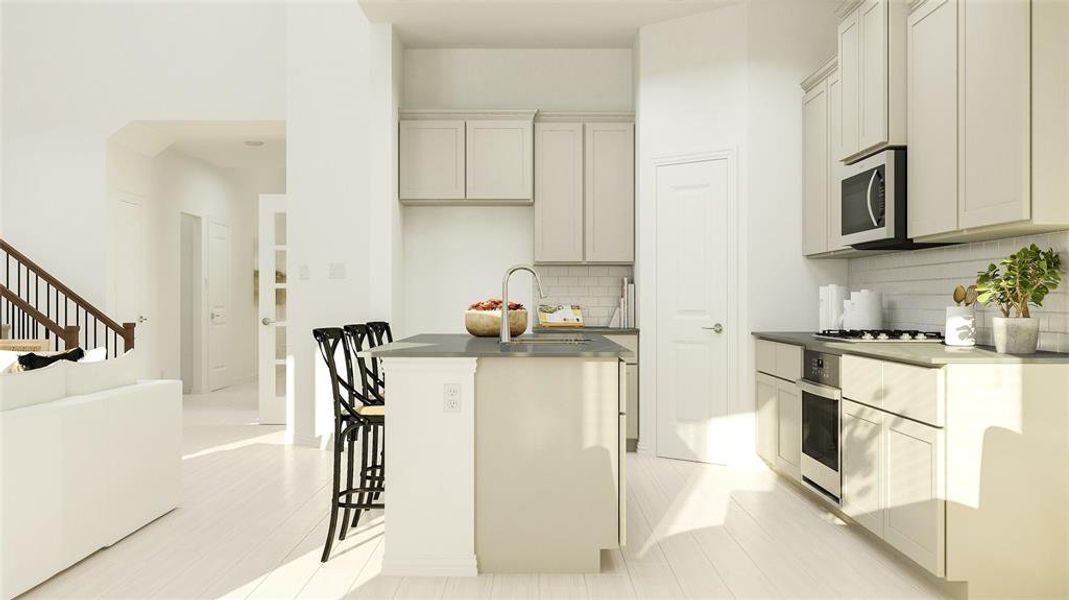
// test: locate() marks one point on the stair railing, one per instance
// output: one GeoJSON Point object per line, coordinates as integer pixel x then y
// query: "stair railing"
{"type": "Point", "coordinates": [37, 305]}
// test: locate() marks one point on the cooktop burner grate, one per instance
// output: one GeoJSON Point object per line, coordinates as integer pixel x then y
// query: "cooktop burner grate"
{"type": "Point", "coordinates": [880, 335]}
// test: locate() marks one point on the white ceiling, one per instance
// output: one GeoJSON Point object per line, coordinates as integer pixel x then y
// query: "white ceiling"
{"type": "Point", "coordinates": [220, 143]}
{"type": "Point", "coordinates": [527, 23]}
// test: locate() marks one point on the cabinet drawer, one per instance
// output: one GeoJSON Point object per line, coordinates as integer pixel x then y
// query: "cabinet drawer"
{"type": "Point", "coordinates": [780, 360]}
{"type": "Point", "coordinates": [788, 362]}
{"type": "Point", "coordinates": [906, 390]}
{"type": "Point", "coordinates": [862, 380]}
{"type": "Point", "coordinates": [914, 392]}
{"type": "Point", "coordinates": [765, 357]}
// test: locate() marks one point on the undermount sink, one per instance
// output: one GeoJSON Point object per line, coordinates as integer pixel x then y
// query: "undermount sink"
{"type": "Point", "coordinates": [550, 340]}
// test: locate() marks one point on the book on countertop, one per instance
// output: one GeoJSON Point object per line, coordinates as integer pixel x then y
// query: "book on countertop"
{"type": "Point", "coordinates": [560, 315]}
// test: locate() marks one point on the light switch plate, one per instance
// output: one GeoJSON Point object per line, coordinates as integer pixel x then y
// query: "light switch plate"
{"type": "Point", "coordinates": [336, 271]}
{"type": "Point", "coordinates": [303, 272]}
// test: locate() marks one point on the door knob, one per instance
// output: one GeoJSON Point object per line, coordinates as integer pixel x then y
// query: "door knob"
{"type": "Point", "coordinates": [267, 320]}
{"type": "Point", "coordinates": [718, 328]}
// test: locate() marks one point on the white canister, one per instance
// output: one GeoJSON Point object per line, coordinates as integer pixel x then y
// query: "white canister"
{"type": "Point", "coordinates": [960, 326]}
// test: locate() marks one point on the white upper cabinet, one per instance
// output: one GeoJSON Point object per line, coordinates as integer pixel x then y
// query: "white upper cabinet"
{"type": "Point", "coordinates": [932, 158]}
{"type": "Point", "coordinates": [987, 144]}
{"type": "Point", "coordinates": [872, 111]}
{"type": "Point", "coordinates": [431, 160]}
{"type": "Point", "coordinates": [849, 75]}
{"type": "Point", "coordinates": [822, 135]}
{"type": "Point", "coordinates": [872, 67]}
{"type": "Point", "coordinates": [609, 162]}
{"type": "Point", "coordinates": [584, 192]}
{"type": "Point", "coordinates": [499, 160]}
{"type": "Point", "coordinates": [558, 192]}
{"type": "Point", "coordinates": [835, 142]}
{"type": "Point", "coordinates": [466, 157]}
{"type": "Point", "coordinates": [995, 136]}
{"type": "Point", "coordinates": [815, 168]}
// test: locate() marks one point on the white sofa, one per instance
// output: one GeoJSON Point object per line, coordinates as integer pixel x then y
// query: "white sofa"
{"type": "Point", "coordinates": [88, 454]}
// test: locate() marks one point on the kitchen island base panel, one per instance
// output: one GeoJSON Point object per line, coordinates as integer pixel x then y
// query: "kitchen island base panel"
{"type": "Point", "coordinates": [521, 475]}
{"type": "Point", "coordinates": [547, 464]}
{"type": "Point", "coordinates": [431, 478]}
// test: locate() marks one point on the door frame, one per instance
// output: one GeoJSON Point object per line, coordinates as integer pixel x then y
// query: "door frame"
{"type": "Point", "coordinates": [646, 275]}
{"type": "Point", "coordinates": [200, 304]}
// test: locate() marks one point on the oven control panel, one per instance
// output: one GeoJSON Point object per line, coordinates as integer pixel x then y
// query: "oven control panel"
{"type": "Point", "coordinates": [820, 367]}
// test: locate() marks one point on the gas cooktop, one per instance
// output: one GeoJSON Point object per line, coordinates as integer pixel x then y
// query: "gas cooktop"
{"type": "Point", "coordinates": [880, 335]}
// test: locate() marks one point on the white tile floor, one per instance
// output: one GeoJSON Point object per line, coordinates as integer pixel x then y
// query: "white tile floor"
{"type": "Point", "coordinates": [253, 518]}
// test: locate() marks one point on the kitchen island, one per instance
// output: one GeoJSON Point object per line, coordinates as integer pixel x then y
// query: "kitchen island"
{"type": "Point", "coordinates": [503, 458]}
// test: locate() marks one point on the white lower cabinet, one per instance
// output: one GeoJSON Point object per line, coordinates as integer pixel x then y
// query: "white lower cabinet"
{"type": "Point", "coordinates": [916, 511]}
{"type": "Point", "coordinates": [862, 455]}
{"type": "Point", "coordinates": [789, 422]}
{"type": "Point", "coordinates": [767, 418]}
{"type": "Point", "coordinates": [893, 481]}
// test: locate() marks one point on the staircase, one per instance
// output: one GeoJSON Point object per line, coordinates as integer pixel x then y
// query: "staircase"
{"type": "Point", "coordinates": [36, 305]}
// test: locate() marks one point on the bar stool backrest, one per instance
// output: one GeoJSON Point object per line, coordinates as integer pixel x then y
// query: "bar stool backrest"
{"type": "Point", "coordinates": [380, 334]}
{"type": "Point", "coordinates": [358, 337]}
{"type": "Point", "coordinates": [347, 399]}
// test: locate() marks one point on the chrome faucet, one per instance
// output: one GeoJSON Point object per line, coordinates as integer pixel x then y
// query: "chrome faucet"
{"type": "Point", "coordinates": [506, 334]}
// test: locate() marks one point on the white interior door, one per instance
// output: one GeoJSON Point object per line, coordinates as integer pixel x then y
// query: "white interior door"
{"type": "Point", "coordinates": [218, 305]}
{"type": "Point", "coordinates": [131, 272]}
{"type": "Point", "coordinates": [275, 365]}
{"type": "Point", "coordinates": [692, 301]}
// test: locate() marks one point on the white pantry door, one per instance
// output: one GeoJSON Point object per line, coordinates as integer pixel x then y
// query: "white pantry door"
{"type": "Point", "coordinates": [131, 274]}
{"type": "Point", "coordinates": [275, 364]}
{"type": "Point", "coordinates": [692, 306]}
{"type": "Point", "coordinates": [218, 305]}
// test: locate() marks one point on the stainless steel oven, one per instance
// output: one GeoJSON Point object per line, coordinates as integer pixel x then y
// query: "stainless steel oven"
{"type": "Point", "coordinates": [821, 458]}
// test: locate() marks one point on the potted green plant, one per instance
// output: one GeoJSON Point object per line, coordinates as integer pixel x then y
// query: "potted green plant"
{"type": "Point", "coordinates": [1021, 280]}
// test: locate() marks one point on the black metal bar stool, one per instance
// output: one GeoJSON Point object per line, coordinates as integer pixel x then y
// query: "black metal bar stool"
{"type": "Point", "coordinates": [355, 417]}
{"type": "Point", "coordinates": [380, 334]}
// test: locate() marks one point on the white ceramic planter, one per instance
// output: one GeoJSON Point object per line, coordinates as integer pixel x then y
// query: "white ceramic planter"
{"type": "Point", "coordinates": [1015, 336]}
{"type": "Point", "coordinates": [960, 326]}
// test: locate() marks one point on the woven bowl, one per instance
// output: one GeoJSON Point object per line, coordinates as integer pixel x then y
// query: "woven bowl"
{"type": "Point", "coordinates": [487, 323]}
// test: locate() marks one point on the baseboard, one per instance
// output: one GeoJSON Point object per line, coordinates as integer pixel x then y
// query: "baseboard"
{"type": "Point", "coordinates": [311, 441]}
{"type": "Point", "coordinates": [430, 567]}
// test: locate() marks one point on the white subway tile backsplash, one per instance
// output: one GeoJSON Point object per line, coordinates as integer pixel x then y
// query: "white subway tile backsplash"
{"type": "Point", "coordinates": [597, 289]}
{"type": "Point", "coordinates": [917, 285]}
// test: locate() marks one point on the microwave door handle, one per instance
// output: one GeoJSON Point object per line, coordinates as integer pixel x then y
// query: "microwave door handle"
{"type": "Point", "coordinates": [868, 199]}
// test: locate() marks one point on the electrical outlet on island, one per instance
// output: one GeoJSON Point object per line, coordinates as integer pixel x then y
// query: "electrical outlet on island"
{"type": "Point", "coordinates": [451, 397]}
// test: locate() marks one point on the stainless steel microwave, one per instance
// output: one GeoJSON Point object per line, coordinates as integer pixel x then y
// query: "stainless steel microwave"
{"type": "Point", "coordinates": [874, 202]}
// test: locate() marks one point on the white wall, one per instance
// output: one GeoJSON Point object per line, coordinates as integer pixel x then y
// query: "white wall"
{"type": "Point", "coordinates": [173, 183]}
{"type": "Point", "coordinates": [333, 186]}
{"type": "Point", "coordinates": [74, 73]}
{"type": "Point", "coordinates": [547, 79]}
{"type": "Point", "coordinates": [454, 256]}
{"type": "Point", "coordinates": [916, 286]}
{"type": "Point", "coordinates": [729, 80]}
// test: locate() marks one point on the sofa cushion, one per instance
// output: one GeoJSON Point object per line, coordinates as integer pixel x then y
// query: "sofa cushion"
{"type": "Point", "coordinates": [8, 358]}
{"type": "Point", "coordinates": [33, 387]}
{"type": "Point", "coordinates": [92, 377]}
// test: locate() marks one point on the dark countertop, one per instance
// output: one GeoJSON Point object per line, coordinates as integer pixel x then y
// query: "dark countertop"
{"type": "Point", "coordinates": [586, 329]}
{"type": "Point", "coordinates": [428, 345]}
{"type": "Point", "coordinates": [923, 354]}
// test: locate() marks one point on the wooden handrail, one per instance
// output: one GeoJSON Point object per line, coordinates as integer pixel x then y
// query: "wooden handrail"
{"type": "Point", "coordinates": [48, 277]}
{"type": "Point", "coordinates": [69, 334]}
{"type": "Point", "coordinates": [124, 330]}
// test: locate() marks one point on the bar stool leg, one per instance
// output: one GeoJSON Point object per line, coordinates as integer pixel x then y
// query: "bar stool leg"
{"type": "Point", "coordinates": [334, 496]}
{"type": "Point", "coordinates": [349, 447]}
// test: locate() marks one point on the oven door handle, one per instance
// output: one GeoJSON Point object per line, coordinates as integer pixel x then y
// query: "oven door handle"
{"type": "Point", "coordinates": [868, 198]}
{"type": "Point", "coordinates": [824, 391]}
